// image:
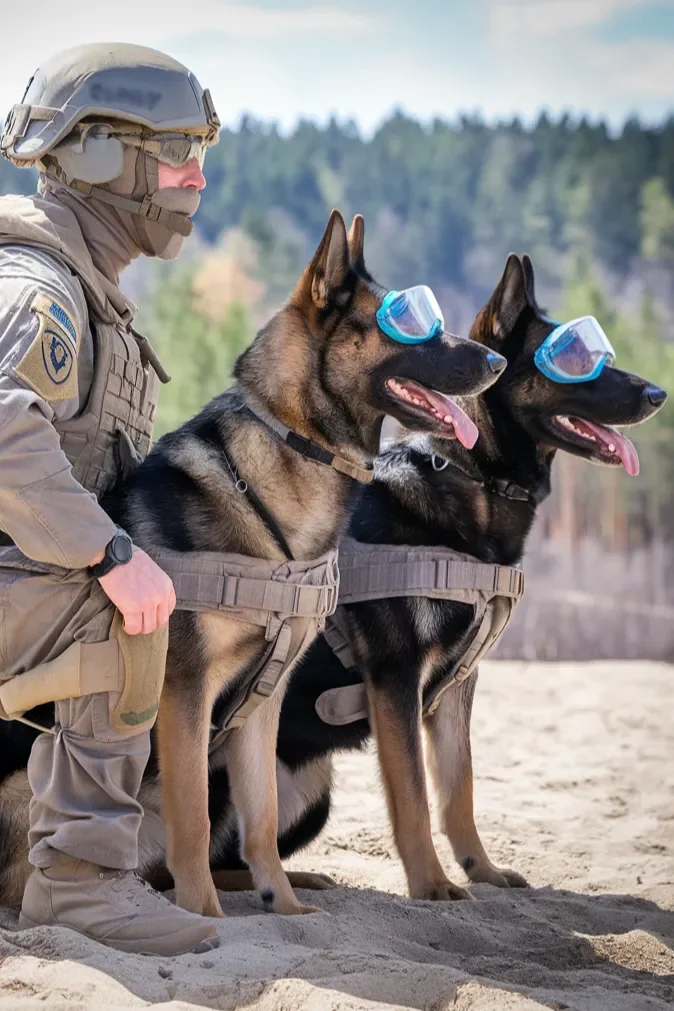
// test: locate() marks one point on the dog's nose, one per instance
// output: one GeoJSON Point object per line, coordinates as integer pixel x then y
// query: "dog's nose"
{"type": "Point", "coordinates": [656, 395]}
{"type": "Point", "coordinates": [497, 363]}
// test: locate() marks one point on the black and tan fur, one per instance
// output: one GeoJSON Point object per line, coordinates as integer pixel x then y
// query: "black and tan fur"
{"type": "Point", "coordinates": [322, 367]}
{"type": "Point", "coordinates": [405, 644]}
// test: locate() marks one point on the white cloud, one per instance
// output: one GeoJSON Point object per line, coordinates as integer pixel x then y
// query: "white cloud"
{"type": "Point", "coordinates": [32, 32]}
{"type": "Point", "coordinates": [537, 19]}
{"type": "Point", "coordinates": [317, 59]}
{"type": "Point", "coordinates": [549, 55]}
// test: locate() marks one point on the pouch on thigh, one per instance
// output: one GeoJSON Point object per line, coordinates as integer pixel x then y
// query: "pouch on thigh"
{"type": "Point", "coordinates": [144, 658]}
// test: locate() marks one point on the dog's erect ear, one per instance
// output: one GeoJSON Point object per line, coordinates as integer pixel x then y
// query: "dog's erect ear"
{"type": "Point", "coordinates": [329, 269]}
{"type": "Point", "coordinates": [356, 240]}
{"type": "Point", "coordinates": [511, 296]}
{"type": "Point", "coordinates": [528, 268]}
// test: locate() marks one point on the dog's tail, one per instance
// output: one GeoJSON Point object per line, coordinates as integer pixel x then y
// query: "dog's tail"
{"type": "Point", "coordinates": [15, 870]}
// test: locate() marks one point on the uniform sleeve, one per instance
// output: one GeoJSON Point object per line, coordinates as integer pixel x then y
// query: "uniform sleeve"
{"type": "Point", "coordinates": [46, 355]}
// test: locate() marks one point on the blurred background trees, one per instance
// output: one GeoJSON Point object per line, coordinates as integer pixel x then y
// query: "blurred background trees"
{"type": "Point", "coordinates": [444, 203]}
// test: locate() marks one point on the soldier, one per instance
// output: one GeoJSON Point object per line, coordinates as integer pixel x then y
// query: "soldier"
{"type": "Point", "coordinates": [118, 134]}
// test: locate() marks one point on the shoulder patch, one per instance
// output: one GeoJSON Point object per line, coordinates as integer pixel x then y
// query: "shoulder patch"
{"type": "Point", "coordinates": [49, 366]}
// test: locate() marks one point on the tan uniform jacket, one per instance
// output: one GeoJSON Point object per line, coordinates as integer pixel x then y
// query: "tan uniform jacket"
{"type": "Point", "coordinates": [43, 508]}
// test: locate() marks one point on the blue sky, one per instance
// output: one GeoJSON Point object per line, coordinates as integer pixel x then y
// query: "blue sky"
{"type": "Point", "coordinates": [282, 59]}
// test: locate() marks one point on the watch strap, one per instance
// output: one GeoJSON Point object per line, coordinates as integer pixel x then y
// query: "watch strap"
{"type": "Point", "coordinates": [111, 559]}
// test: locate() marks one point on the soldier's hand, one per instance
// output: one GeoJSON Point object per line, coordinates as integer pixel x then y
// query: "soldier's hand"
{"type": "Point", "coordinates": [142, 592]}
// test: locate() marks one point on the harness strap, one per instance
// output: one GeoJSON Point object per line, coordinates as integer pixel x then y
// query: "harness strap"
{"type": "Point", "coordinates": [307, 448]}
{"type": "Point", "coordinates": [257, 689]}
{"type": "Point", "coordinates": [255, 591]}
{"type": "Point", "coordinates": [378, 572]}
{"type": "Point", "coordinates": [336, 634]}
{"type": "Point", "coordinates": [269, 520]}
{"type": "Point", "coordinates": [210, 581]}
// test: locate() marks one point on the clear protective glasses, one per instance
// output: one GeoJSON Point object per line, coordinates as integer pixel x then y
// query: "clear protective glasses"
{"type": "Point", "coordinates": [174, 149]}
{"type": "Point", "coordinates": [575, 352]}
{"type": "Point", "coordinates": [411, 316]}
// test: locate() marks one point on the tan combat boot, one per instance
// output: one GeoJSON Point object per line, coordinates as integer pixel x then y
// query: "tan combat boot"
{"type": "Point", "coordinates": [116, 908]}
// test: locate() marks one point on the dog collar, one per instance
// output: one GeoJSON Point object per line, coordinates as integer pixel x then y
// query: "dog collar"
{"type": "Point", "coordinates": [305, 447]}
{"type": "Point", "coordinates": [500, 486]}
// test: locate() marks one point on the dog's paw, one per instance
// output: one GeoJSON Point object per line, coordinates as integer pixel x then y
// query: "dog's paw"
{"type": "Point", "coordinates": [441, 891]}
{"type": "Point", "coordinates": [307, 879]}
{"type": "Point", "coordinates": [513, 879]}
{"type": "Point", "coordinates": [209, 906]}
{"type": "Point", "coordinates": [294, 909]}
{"type": "Point", "coordinates": [497, 876]}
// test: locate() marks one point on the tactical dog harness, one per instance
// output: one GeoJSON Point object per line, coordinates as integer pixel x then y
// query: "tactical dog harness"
{"type": "Point", "coordinates": [382, 571]}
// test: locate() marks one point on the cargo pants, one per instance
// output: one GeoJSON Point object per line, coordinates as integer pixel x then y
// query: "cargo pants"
{"type": "Point", "coordinates": [85, 777]}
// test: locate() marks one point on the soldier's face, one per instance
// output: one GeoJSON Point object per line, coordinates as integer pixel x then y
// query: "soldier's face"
{"type": "Point", "coordinates": [189, 174]}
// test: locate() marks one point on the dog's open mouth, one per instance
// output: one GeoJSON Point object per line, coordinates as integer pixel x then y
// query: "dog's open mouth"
{"type": "Point", "coordinates": [605, 444]}
{"type": "Point", "coordinates": [451, 421]}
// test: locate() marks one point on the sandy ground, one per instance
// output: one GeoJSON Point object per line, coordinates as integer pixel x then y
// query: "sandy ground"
{"type": "Point", "coordinates": [574, 775]}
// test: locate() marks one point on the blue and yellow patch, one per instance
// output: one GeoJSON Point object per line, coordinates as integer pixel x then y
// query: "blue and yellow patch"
{"type": "Point", "coordinates": [62, 317]}
{"type": "Point", "coordinates": [57, 355]}
{"type": "Point", "coordinates": [49, 365]}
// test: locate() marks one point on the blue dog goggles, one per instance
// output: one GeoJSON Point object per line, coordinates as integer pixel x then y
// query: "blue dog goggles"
{"type": "Point", "coordinates": [411, 316]}
{"type": "Point", "coordinates": [575, 352]}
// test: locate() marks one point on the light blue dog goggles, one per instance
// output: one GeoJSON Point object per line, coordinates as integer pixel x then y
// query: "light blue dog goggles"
{"type": "Point", "coordinates": [575, 352]}
{"type": "Point", "coordinates": [411, 316]}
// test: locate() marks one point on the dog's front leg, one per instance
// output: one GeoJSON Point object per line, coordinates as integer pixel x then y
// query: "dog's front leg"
{"type": "Point", "coordinates": [451, 765]}
{"type": "Point", "coordinates": [251, 764]}
{"type": "Point", "coordinates": [395, 718]}
{"type": "Point", "coordinates": [183, 725]}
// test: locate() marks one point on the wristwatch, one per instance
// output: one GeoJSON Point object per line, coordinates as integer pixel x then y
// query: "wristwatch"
{"type": "Point", "coordinates": [118, 551]}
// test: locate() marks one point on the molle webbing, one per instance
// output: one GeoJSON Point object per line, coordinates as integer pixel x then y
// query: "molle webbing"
{"type": "Point", "coordinates": [251, 588]}
{"type": "Point", "coordinates": [121, 405]}
{"type": "Point", "coordinates": [378, 571]}
{"type": "Point", "coordinates": [381, 571]}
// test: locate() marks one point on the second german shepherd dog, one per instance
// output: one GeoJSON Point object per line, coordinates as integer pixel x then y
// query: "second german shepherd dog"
{"type": "Point", "coordinates": [482, 503]}
{"type": "Point", "coordinates": [324, 368]}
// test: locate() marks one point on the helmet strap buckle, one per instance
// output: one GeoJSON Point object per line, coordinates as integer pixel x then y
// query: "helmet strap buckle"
{"type": "Point", "coordinates": [149, 210]}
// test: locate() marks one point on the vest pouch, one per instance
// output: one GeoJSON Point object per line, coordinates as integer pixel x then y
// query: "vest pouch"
{"type": "Point", "coordinates": [126, 454]}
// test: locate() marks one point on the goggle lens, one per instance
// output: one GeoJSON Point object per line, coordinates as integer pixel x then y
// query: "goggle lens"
{"type": "Point", "coordinates": [575, 352]}
{"type": "Point", "coordinates": [410, 316]}
{"type": "Point", "coordinates": [175, 150]}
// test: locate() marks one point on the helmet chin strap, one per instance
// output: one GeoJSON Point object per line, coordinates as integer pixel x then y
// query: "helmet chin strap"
{"type": "Point", "coordinates": [163, 216]}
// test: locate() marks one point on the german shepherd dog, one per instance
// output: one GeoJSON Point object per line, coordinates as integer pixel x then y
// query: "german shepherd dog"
{"type": "Point", "coordinates": [430, 492]}
{"type": "Point", "coordinates": [323, 368]}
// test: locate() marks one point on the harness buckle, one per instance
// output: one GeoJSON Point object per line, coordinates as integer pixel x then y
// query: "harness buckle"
{"type": "Point", "coordinates": [273, 627]}
{"type": "Point", "coordinates": [16, 125]}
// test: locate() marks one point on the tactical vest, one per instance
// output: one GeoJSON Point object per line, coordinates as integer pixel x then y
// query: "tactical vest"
{"type": "Point", "coordinates": [116, 422]}
{"type": "Point", "coordinates": [381, 571]}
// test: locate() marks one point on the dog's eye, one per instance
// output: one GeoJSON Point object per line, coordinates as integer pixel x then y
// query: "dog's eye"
{"type": "Point", "coordinates": [576, 359]}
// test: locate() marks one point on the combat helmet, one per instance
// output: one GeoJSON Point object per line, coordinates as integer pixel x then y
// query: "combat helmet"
{"type": "Point", "coordinates": [84, 106]}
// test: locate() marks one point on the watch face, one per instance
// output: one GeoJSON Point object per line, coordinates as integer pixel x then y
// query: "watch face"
{"type": "Point", "coordinates": [121, 548]}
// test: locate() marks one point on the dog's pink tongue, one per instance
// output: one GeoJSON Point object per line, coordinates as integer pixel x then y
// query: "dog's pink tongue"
{"type": "Point", "coordinates": [465, 428]}
{"type": "Point", "coordinates": [622, 446]}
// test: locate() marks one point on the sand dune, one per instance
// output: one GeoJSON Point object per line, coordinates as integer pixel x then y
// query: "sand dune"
{"type": "Point", "coordinates": [574, 776]}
